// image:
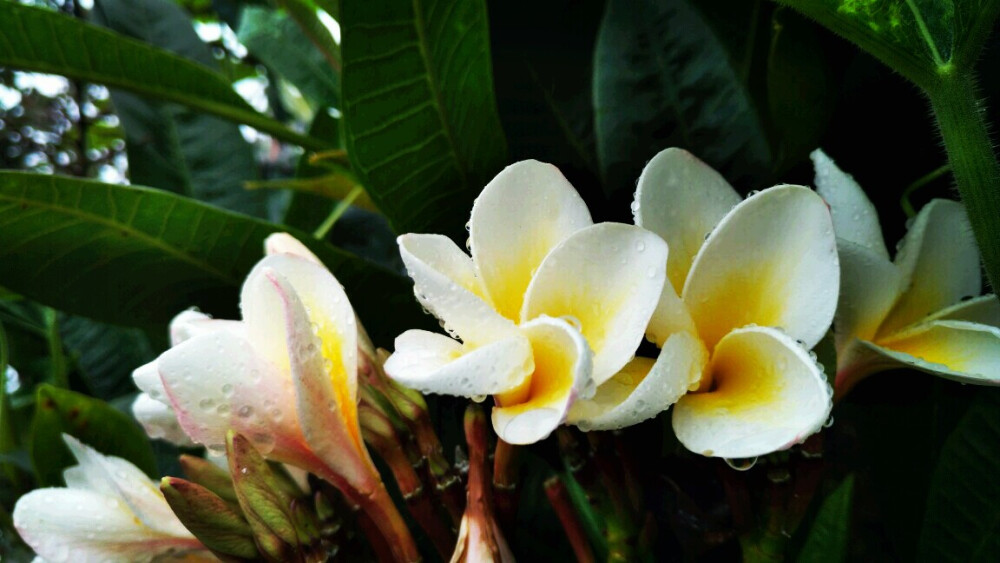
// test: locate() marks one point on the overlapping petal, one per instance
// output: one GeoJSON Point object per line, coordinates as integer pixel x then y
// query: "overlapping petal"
{"type": "Point", "coordinates": [869, 286]}
{"type": "Point", "coordinates": [961, 350]}
{"type": "Point", "coordinates": [854, 216]}
{"type": "Point", "coordinates": [767, 394]}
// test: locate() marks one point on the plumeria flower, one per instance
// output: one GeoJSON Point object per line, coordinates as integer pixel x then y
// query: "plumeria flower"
{"type": "Point", "coordinates": [752, 287]}
{"type": "Point", "coordinates": [548, 305]}
{"type": "Point", "coordinates": [109, 511]}
{"type": "Point", "coordinates": [285, 377]}
{"type": "Point", "coordinates": [922, 310]}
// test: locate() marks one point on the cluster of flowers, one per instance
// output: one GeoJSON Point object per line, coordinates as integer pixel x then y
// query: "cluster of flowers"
{"type": "Point", "coordinates": [546, 316]}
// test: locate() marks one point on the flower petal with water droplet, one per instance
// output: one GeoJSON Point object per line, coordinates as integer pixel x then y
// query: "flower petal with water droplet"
{"type": "Point", "coordinates": [854, 217]}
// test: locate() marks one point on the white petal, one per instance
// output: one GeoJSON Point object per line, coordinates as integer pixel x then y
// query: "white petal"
{"type": "Point", "coordinates": [518, 218]}
{"type": "Point", "coordinates": [192, 322]}
{"type": "Point", "coordinates": [854, 217]}
{"type": "Point", "coordinates": [644, 388]}
{"type": "Point", "coordinates": [681, 199]}
{"type": "Point", "coordinates": [983, 310]}
{"type": "Point", "coordinates": [218, 381]}
{"type": "Point", "coordinates": [606, 279]}
{"type": "Point", "coordinates": [89, 527]}
{"type": "Point", "coordinates": [562, 373]}
{"type": "Point", "coordinates": [939, 262]}
{"type": "Point", "coordinates": [869, 285]}
{"type": "Point", "coordinates": [959, 350]}
{"type": "Point", "coordinates": [767, 395]}
{"type": "Point", "coordinates": [434, 363]}
{"type": "Point", "coordinates": [670, 317]}
{"type": "Point", "coordinates": [284, 243]}
{"type": "Point", "coordinates": [147, 379]}
{"type": "Point", "coordinates": [159, 420]}
{"type": "Point", "coordinates": [772, 261]}
{"type": "Point", "coordinates": [445, 282]}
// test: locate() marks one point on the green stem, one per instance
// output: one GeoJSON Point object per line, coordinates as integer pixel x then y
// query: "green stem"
{"type": "Point", "coordinates": [337, 212]}
{"type": "Point", "coordinates": [973, 162]}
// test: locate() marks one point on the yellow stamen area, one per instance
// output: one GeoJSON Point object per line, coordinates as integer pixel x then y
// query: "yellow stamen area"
{"type": "Point", "coordinates": [940, 345]}
{"type": "Point", "coordinates": [740, 299]}
{"type": "Point", "coordinates": [745, 376]}
{"type": "Point", "coordinates": [333, 364]}
{"type": "Point", "coordinates": [507, 283]}
{"type": "Point", "coordinates": [555, 359]}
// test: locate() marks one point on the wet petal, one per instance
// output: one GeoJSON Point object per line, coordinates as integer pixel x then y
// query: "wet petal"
{"type": "Point", "coordinates": [562, 373]}
{"type": "Point", "coordinates": [939, 262]}
{"type": "Point", "coordinates": [959, 350]}
{"type": "Point", "coordinates": [434, 363]}
{"type": "Point", "coordinates": [768, 394]}
{"type": "Point", "coordinates": [159, 420]}
{"type": "Point", "coordinates": [670, 317]}
{"type": "Point", "coordinates": [284, 243]}
{"type": "Point", "coordinates": [869, 285]}
{"type": "Point", "coordinates": [606, 279]}
{"type": "Point", "coordinates": [193, 322]}
{"type": "Point", "coordinates": [854, 217]}
{"type": "Point", "coordinates": [644, 387]}
{"type": "Point", "coordinates": [681, 199]}
{"type": "Point", "coordinates": [983, 310]}
{"type": "Point", "coordinates": [518, 218]}
{"type": "Point", "coordinates": [446, 284]}
{"type": "Point", "coordinates": [772, 261]}
{"type": "Point", "coordinates": [147, 379]}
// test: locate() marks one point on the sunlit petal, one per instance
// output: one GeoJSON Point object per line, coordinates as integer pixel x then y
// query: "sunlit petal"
{"type": "Point", "coordinates": [561, 374]}
{"type": "Point", "coordinates": [606, 278]}
{"type": "Point", "coordinates": [644, 387]}
{"type": "Point", "coordinates": [939, 262]}
{"type": "Point", "coordinates": [854, 217]}
{"type": "Point", "coordinates": [772, 261]}
{"type": "Point", "coordinates": [869, 285]}
{"type": "Point", "coordinates": [518, 218]}
{"type": "Point", "coordinates": [681, 199]}
{"type": "Point", "coordinates": [960, 350]}
{"type": "Point", "coordinates": [767, 395]}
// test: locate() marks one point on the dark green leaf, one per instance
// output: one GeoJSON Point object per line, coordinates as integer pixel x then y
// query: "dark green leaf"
{"type": "Point", "coordinates": [662, 78]}
{"type": "Point", "coordinates": [93, 422]}
{"type": "Point", "coordinates": [962, 520]}
{"type": "Point", "coordinates": [209, 518]}
{"type": "Point", "coordinates": [105, 355]}
{"type": "Point", "coordinates": [422, 128]}
{"type": "Point", "coordinates": [274, 38]}
{"type": "Point", "coordinates": [134, 256]}
{"type": "Point", "coordinates": [828, 539]}
{"type": "Point", "coordinates": [171, 146]}
{"type": "Point", "coordinates": [45, 41]}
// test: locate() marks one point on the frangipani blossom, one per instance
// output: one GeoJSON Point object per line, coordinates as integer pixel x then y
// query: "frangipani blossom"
{"type": "Point", "coordinates": [753, 286]}
{"type": "Point", "coordinates": [547, 306]}
{"type": "Point", "coordinates": [109, 511]}
{"type": "Point", "coordinates": [285, 377]}
{"type": "Point", "coordinates": [922, 310]}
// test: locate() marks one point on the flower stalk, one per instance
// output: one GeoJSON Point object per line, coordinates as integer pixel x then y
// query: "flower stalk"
{"type": "Point", "coordinates": [558, 497]}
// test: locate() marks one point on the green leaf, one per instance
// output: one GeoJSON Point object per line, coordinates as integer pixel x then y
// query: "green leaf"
{"type": "Point", "coordinates": [45, 41]}
{"type": "Point", "coordinates": [828, 539]}
{"type": "Point", "coordinates": [962, 519]}
{"type": "Point", "coordinates": [662, 78]}
{"type": "Point", "coordinates": [135, 256]}
{"type": "Point", "coordinates": [104, 354]}
{"type": "Point", "coordinates": [209, 518]}
{"type": "Point", "coordinates": [918, 38]}
{"type": "Point", "coordinates": [170, 146]}
{"type": "Point", "coordinates": [93, 422]}
{"type": "Point", "coordinates": [421, 121]}
{"type": "Point", "coordinates": [274, 38]}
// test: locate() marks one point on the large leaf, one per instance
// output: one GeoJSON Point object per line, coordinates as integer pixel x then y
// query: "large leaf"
{"type": "Point", "coordinates": [135, 256]}
{"type": "Point", "coordinates": [962, 520]}
{"type": "Point", "coordinates": [274, 38]}
{"type": "Point", "coordinates": [828, 538]}
{"type": "Point", "coordinates": [421, 120]}
{"type": "Point", "coordinates": [45, 41]}
{"type": "Point", "coordinates": [105, 355]}
{"type": "Point", "coordinates": [662, 78]}
{"type": "Point", "coordinates": [171, 146]}
{"type": "Point", "coordinates": [93, 422]}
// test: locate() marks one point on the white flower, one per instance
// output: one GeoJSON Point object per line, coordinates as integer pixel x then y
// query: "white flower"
{"type": "Point", "coordinates": [922, 310]}
{"type": "Point", "coordinates": [548, 305]}
{"type": "Point", "coordinates": [109, 511]}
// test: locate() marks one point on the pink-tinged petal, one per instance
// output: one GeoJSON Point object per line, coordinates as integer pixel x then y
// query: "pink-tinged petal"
{"type": "Point", "coordinates": [772, 261]}
{"type": "Point", "coordinates": [434, 363]}
{"type": "Point", "coordinates": [854, 217]}
{"type": "Point", "coordinates": [607, 279]}
{"type": "Point", "coordinates": [446, 284]}
{"type": "Point", "coordinates": [768, 394]}
{"type": "Point", "coordinates": [159, 420]}
{"type": "Point", "coordinates": [284, 243]}
{"type": "Point", "coordinates": [681, 199]}
{"type": "Point", "coordinates": [517, 219]}
{"type": "Point", "coordinates": [939, 262]}
{"type": "Point", "coordinates": [562, 373]}
{"type": "Point", "coordinates": [645, 387]}
{"type": "Point", "coordinates": [869, 285]}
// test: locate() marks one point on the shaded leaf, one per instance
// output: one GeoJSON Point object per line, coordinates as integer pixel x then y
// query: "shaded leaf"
{"type": "Point", "coordinates": [105, 355]}
{"type": "Point", "coordinates": [93, 422]}
{"type": "Point", "coordinates": [421, 121]}
{"type": "Point", "coordinates": [828, 538]}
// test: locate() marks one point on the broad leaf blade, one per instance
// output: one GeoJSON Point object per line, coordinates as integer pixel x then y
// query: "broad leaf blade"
{"type": "Point", "coordinates": [135, 256]}
{"type": "Point", "coordinates": [662, 78]}
{"type": "Point", "coordinates": [93, 422]}
{"type": "Point", "coordinates": [45, 41]}
{"type": "Point", "coordinates": [422, 128]}
{"type": "Point", "coordinates": [828, 538]}
{"type": "Point", "coordinates": [105, 355]}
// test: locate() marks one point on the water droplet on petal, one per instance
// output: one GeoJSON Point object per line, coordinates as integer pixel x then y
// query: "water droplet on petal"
{"type": "Point", "coordinates": [744, 464]}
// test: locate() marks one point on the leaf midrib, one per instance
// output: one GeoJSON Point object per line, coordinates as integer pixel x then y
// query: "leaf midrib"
{"type": "Point", "coordinates": [925, 33]}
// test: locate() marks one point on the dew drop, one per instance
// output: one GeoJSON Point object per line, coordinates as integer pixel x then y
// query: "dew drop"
{"type": "Point", "coordinates": [829, 422]}
{"type": "Point", "coordinates": [206, 404]}
{"type": "Point", "coordinates": [640, 246]}
{"type": "Point", "coordinates": [245, 411]}
{"type": "Point", "coordinates": [227, 390]}
{"type": "Point", "coordinates": [744, 464]}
